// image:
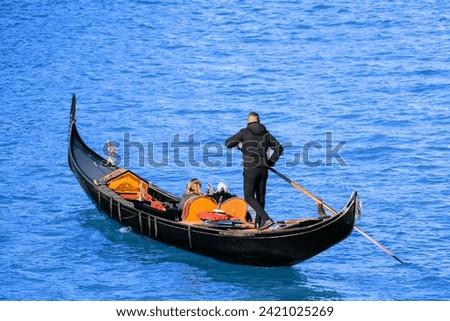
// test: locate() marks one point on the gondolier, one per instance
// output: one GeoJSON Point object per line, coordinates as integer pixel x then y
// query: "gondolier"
{"type": "Point", "coordinates": [255, 141]}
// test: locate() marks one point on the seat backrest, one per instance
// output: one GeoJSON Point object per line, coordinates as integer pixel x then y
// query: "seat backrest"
{"type": "Point", "coordinates": [128, 185]}
{"type": "Point", "coordinates": [236, 207]}
{"type": "Point", "coordinates": [196, 205]}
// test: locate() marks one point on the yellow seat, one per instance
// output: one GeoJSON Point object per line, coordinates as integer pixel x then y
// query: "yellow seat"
{"type": "Point", "coordinates": [236, 207]}
{"type": "Point", "coordinates": [128, 185]}
{"type": "Point", "coordinates": [197, 205]}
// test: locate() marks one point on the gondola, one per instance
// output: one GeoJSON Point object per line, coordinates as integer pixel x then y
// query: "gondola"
{"type": "Point", "coordinates": [200, 227]}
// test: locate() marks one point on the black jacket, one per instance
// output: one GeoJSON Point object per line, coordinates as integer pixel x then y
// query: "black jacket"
{"type": "Point", "coordinates": [256, 141]}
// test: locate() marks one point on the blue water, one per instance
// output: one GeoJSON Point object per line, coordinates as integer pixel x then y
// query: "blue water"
{"type": "Point", "coordinates": [374, 75]}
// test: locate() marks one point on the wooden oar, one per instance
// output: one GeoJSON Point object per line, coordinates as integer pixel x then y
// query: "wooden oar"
{"type": "Point", "coordinates": [321, 203]}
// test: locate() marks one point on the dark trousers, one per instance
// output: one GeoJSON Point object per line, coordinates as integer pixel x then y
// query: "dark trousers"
{"type": "Point", "coordinates": [255, 180]}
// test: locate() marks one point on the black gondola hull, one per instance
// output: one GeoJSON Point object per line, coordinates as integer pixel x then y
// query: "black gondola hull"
{"type": "Point", "coordinates": [273, 247]}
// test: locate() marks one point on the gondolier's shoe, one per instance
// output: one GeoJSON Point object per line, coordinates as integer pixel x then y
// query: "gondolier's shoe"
{"type": "Point", "coordinates": [266, 224]}
{"type": "Point", "coordinates": [258, 222]}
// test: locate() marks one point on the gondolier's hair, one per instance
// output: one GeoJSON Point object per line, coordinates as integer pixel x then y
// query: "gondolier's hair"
{"type": "Point", "coordinates": [253, 115]}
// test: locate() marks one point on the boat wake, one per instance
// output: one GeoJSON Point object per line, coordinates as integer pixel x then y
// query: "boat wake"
{"type": "Point", "coordinates": [126, 229]}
